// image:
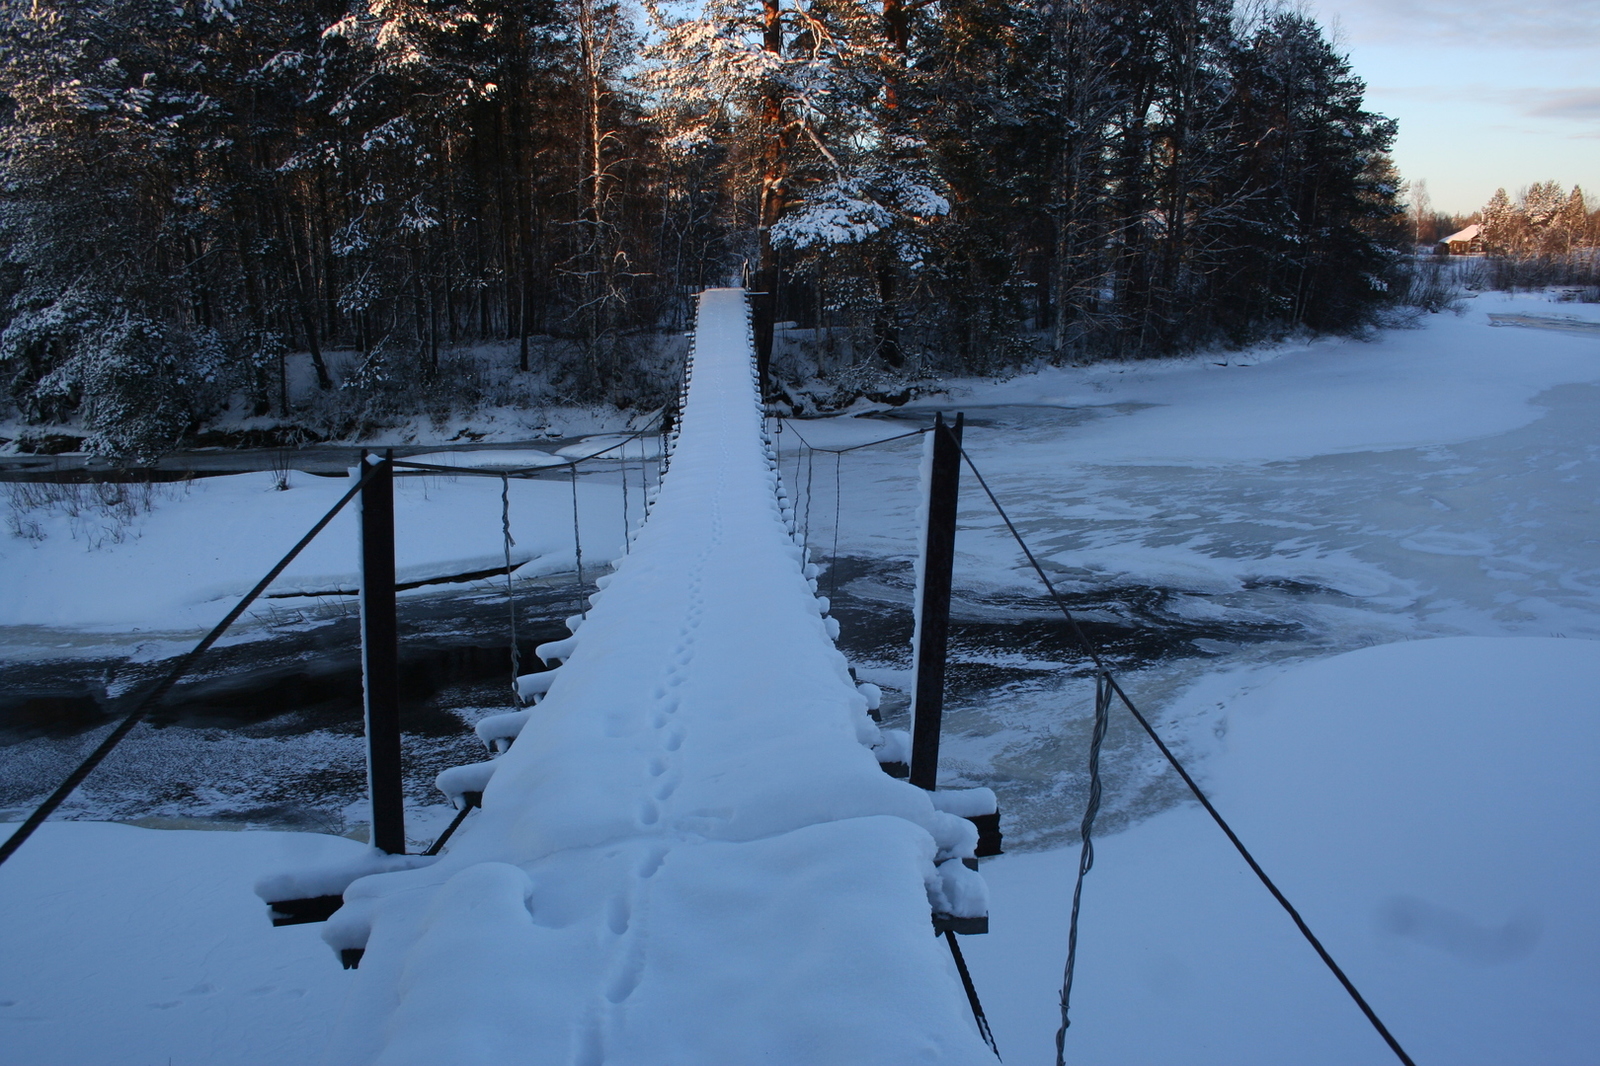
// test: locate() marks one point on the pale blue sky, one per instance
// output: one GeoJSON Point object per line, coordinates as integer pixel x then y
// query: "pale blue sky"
{"type": "Point", "coordinates": [1487, 94]}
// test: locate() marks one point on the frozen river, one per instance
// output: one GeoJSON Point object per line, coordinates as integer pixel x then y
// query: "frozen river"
{"type": "Point", "coordinates": [1185, 570]}
{"type": "Point", "coordinates": [1262, 545]}
{"type": "Point", "coordinates": [1201, 518]}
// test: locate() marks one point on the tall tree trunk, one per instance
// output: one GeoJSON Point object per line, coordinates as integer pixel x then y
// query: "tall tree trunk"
{"type": "Point", "coordinates": [774, 181]}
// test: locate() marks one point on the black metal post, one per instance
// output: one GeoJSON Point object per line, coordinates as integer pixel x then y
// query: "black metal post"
{"type": "Point", "coordinates": [763, 313]}
{"type": "Point", "coordinates": [380, 659]}
{"type": "Point", "coordinates": [933, 629]}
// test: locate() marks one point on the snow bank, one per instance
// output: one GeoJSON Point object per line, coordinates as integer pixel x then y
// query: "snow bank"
{"type": "Point", "coordinates": [617, 447]}
{"type": "Point", "coordinates": [489, 458]}
{"type": "Point", "coordinates": [132, 946]}
{"type": "Point", "coordinates": [690, 854]}
{"type": "Point", "coordinates": [1432, 808]}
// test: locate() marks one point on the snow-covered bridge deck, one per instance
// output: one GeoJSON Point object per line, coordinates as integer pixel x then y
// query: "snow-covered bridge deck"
{"type": "Point", "coordinates": [690, 855]}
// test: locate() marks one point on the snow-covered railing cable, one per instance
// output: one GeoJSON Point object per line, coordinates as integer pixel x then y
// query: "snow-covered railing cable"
{"type": "Point", "coordinates": [526, 471]}
{"type": "Point", "coordinates": [375, 464]}
{"type": "Point", "coordinates": [1104, 671]}
{"type": "Point", "coordinates": [852, 447]}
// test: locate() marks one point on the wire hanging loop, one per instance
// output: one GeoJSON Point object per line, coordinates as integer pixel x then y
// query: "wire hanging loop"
{"type": "Point", "coordinates": [1102, 717]}
{"type": "Point", "coordinates": [577, 542]}
{"type": "Point", "coordinates": [511, 598]}
{"type": "Point", "coordinates": [1194, 788]}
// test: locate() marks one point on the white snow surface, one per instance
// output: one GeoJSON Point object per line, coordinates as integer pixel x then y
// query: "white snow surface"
{"type": "Point", "coordinates": [142, 947]}
{"type": "Point", "coordinates": [690, 854]}
{"type": "Point", "coordinates": [489, 458]}
{"type": "Point", "coordinates": [1432, 809]}
{"type": "Point", "coordinates": [1453, 381]}
{"type": "Point", "coordinates": [1431, 806]}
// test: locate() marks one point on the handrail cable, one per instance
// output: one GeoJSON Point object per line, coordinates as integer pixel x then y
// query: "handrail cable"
{"type": "Point", "coordinates": [972, 993]}
{"type": "Point", "coordinates": [525, 471]}
{"type": "Point", "coordinates": [1091, 808]}
{"type": "Point", "coordinates": [851, 448]}
{"type": "Point", "coordinates": [154, 696]}
{"type": "Point", "coordinates": [511, 596]}
{"type": "Point", "coordinates": [1283, 901]}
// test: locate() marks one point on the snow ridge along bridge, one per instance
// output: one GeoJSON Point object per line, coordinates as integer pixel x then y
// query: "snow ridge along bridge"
{"type": "Point", "coordinates": [690, 853]}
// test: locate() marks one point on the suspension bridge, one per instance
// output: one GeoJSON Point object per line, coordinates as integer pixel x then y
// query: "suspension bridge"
{"type": "Point", "coordinates": [689, 852]}
{"type": "Point", "coordinates": [696, 845]}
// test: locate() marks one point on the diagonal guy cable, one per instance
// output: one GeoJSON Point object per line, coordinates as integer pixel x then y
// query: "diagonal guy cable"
{"type": "Point", "coordinates": [1283, 901]}
{"type": "Point", "coordinates": [154, 696]}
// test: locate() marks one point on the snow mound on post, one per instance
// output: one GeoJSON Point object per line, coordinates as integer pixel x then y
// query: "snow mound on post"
{"type": "Point", "coordinates": [690, 854]}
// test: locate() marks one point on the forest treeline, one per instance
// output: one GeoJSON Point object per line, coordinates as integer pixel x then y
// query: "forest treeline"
{"type": "Point", "coordinates": [194, 188]}
{"type": "Point", "coordinates": [1544, 220]}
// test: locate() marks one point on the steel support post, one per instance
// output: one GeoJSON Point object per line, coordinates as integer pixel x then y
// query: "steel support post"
{"type": "Point", "coordinates": [380, 658]}
{"type": "Point", "coordinates": [933, 627]}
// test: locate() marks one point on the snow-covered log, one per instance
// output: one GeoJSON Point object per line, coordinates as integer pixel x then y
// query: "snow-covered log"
{"type": "Point", "coordinates": [498, 730]}
{"type": "Point", "coordinates": [532, 686]}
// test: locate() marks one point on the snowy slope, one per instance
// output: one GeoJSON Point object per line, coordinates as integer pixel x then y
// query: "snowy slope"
{"type": "Point", "coordinates": [1432, 808]}
{"type": "Point", "coordinates": [690, 855]}
{"type": "Point", "coordinates": [141, 947]}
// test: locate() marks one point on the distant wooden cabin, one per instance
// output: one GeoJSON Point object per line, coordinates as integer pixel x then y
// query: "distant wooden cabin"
{"type": "Point", "coordinates": [1463, 242]}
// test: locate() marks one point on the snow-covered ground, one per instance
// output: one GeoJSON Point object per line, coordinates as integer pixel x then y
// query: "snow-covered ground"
{"type": "Point", "coordinates": [1432, 807]}
{"type": "Point", "coordinates": [1369, 554]}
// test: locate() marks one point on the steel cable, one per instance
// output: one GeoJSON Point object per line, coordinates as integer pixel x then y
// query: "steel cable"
{"type": "Point", "coordinates": [1094, 654]}
{"type": "Point", "coordinates": [154, 696]}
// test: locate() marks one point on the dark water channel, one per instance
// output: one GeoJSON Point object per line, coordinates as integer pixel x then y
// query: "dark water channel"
{"type": "Point", "coordinates": [1018, 687]}
{"type": "Point", "coordinates": [268, 732]}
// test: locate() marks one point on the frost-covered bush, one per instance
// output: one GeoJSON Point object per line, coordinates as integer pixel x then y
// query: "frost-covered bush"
{"type": "Point", "coordinates": [1427, 283]}
{"type": "Point", "coordinates": [139, 383]}
{"type": "Point", "coordinates": [96, 513]}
